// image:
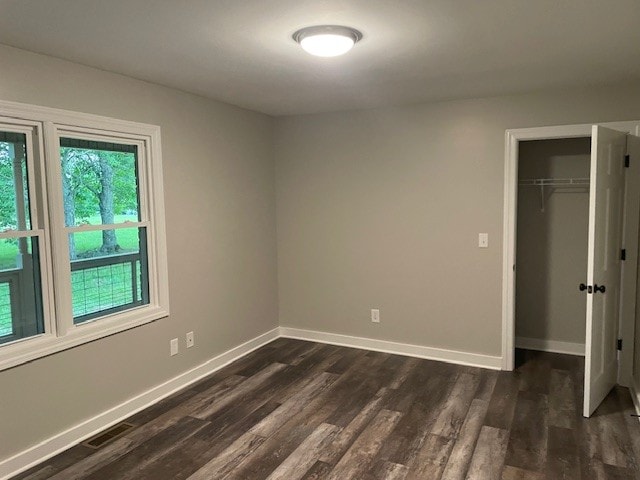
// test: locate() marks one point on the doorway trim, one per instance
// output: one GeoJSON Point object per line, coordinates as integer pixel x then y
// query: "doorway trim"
{"type": "Point", "coordinates": [512, 139]}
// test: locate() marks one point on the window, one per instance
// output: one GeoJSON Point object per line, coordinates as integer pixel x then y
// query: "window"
{"type": "Point", "coordinates": [21, 313]}
{"type": "Point", "coordinates": [107, 240]}
{"type": "Point", "coordinates": [82, 247]}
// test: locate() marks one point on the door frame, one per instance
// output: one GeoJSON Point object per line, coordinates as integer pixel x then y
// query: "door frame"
{"type": "Point", "coordinates": [512, 139]}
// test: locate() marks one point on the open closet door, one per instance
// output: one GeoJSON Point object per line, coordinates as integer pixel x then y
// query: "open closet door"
{"type": "Point", "coordinates": [603, 265]}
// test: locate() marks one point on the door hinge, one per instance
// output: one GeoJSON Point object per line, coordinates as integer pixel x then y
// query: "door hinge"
{"type": "Point", "coordinates": [627, 161]}
{"type": "Point", "coordinates": [620, 344]}
{"type": "Point", "coordinates": [623, 254]}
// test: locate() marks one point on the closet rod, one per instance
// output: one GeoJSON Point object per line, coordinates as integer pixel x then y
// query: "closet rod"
{"type": "Point", "coordinates": [554, 183]}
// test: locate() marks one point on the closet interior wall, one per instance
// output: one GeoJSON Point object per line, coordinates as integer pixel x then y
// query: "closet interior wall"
{"type": "Point", "coordinates": [551, 247]}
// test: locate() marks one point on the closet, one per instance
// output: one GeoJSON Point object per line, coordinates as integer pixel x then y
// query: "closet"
{"type": "Point", "coordinates": [551, 244]}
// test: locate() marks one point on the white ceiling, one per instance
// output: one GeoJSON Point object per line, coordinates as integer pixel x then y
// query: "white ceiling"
{"type": "Point", "coordinates": [241, 51]}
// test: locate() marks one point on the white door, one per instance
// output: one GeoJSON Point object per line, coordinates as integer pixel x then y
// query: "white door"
{"type": "Point", "coordinates": [603, 266]}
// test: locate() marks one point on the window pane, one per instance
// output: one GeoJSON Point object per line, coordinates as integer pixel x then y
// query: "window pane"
{"type": "Point", "coordinates": [14, 197]}
{"type": "Point", "coordinates": [105, 281]}
{"type": "Point", "coordinates": [99, 182]}
{"type": "Point", "coordinates": [20, 290]}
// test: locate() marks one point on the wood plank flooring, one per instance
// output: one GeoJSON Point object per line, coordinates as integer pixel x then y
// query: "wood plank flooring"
{"type": "Point", "coordinates": [296, 410]}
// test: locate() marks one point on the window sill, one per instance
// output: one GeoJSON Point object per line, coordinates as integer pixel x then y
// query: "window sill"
{"type": "Point", "coordinates": [30, 349]}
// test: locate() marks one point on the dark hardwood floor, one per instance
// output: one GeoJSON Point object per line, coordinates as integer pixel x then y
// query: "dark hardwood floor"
{"type": "Point", "coordinates": [301, 410]}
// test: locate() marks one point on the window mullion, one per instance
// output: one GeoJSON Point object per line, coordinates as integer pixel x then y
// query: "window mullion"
{"type": "Point", "coordinates": [59, 238]}
{"type": "Point", "coordinates": [37, 185]}
{"type": "Point", "coordinates": [106, 226]}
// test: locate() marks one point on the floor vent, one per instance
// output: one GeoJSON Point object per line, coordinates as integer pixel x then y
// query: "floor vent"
{"type": "Point", "coordinates": [101, 439]}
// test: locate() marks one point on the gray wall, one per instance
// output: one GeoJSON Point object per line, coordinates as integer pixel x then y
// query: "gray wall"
{"type": "Point", "coordinates": [220, 213]}
{"type": "Point", "coordinates": [552, 244]}
{"type": "Point", "coordinates": [382, 208]}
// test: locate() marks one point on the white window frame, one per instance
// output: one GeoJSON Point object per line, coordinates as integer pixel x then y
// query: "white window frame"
{"type": "Point", "coordinates": [47, 126]}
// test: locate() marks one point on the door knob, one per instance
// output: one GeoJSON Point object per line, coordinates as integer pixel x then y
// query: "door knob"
{"type": "Point", "coordinates": [584, 287]}
{"type": "Point", "coordinates": [597, 288]}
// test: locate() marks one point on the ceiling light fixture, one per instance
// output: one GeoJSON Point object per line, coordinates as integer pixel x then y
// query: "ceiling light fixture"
{"type": "Point", "coordinates": [327, 40]}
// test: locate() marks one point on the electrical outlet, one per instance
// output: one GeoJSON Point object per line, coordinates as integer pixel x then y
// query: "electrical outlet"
{"type": "Point", "coordinates": [173, 347]}
{"type": "Point", "coordinates": [190, 339]}
{"type": "Point", "coordinates": [375, 315]}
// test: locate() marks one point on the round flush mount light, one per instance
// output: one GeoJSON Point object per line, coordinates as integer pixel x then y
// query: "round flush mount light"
{"type": "Point", "coordinates": [327, 40]}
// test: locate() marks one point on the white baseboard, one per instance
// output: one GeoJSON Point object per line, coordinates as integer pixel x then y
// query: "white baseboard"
{"type": "Point", "coordinates": [550, 346]}
{"type": "Point", "coordinates": [450, 356]}
{"type": "Point", "coordinates": [66, 439]}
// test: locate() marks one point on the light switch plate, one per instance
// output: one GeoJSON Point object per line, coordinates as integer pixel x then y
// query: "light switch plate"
{"type": "Point", "coordinates": [483, 240]}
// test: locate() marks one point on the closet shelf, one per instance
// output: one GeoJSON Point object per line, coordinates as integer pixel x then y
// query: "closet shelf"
{"type": "Point", "coordinates": [553, 183]}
